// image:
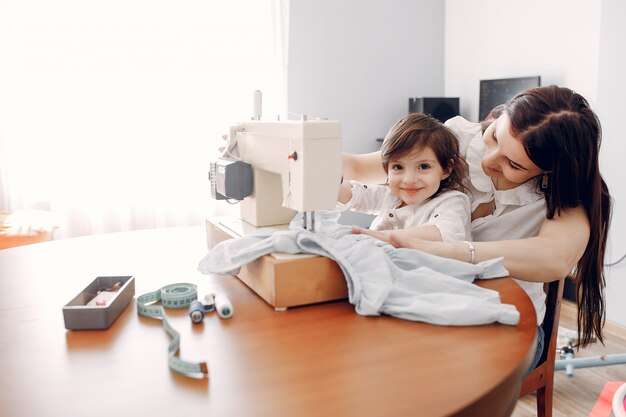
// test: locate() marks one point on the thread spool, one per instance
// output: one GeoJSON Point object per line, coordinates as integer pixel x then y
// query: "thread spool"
{"type": "Point", "coordinates": [196, 311]}
{"type": "Point", "coordinates": [223, 306]}
{"type": "Point", "coordinates": [209, 302]}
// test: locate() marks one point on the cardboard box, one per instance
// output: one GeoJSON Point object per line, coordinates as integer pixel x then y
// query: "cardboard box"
{"type": "Point", "coordinates": [283, 280]}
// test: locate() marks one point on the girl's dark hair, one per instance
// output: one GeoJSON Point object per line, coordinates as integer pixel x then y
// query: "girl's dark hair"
{"type": "Point", "coordinates": [417, 131]}
{"type": "Point", "coordinates": [562, 136]}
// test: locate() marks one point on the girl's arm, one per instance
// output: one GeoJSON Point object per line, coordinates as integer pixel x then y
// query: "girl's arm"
{"type": "Point", "coordinates": [364, 168]}
{"type": "Point", "coordinates": [549, 256]}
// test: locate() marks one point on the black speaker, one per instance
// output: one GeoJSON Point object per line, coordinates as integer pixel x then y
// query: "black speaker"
{"type": "Point", "coordinates": [441, 108]}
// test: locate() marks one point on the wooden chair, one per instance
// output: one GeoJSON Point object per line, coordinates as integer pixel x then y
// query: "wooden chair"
{"type": "Point", "coordinates": [541, 379]}
{"type": "Point", "coordinates": [33, 226]}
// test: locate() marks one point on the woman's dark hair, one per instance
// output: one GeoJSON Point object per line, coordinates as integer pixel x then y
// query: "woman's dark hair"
{"type": "Point", "coordinates": [562, 136]}
{"type": "Point", "coordinates": [417, 131]}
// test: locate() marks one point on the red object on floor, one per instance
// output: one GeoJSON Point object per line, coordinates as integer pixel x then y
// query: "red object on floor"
{"type": "Point", "coordinates": [604, 404]}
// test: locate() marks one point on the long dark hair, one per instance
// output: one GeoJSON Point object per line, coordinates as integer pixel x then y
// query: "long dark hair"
{"type": "Point", "coordinates": [419, 130]}
{"type": "Point", "coordinates": [562, 136]}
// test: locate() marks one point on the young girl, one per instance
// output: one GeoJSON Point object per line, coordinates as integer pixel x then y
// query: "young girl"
{"type": "Point", "coordinates": [423, 192]}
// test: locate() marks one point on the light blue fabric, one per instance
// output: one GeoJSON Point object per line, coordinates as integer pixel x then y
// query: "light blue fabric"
{"type": "Point", "coordinates": [381, 279]}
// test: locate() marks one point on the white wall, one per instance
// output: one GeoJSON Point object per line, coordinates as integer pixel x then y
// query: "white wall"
{"type": "Point", "coordinates": [611, 96]}
{"type": "Point", "coordinates": [360, 62]}
{"type": "Point", "coordinates": [578, 44]}
{"type": "Point", "coordinates": [556, 39]}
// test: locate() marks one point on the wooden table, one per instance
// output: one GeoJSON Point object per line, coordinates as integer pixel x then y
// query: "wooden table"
{"type": "Point", "coordinates": [322, 360]}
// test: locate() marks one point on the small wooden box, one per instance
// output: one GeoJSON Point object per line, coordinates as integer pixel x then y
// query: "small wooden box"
{"type": "Point", "coordinates": [283, 280]}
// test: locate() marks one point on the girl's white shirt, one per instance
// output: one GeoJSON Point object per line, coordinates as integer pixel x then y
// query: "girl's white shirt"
{"type": "Point", "coordinates": [449, 211]}
{"type": "Point", "coordinates": [519, 212]}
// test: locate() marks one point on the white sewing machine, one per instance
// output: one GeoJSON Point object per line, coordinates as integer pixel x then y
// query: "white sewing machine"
{"type": "Point", "coordinates": [295, 166]}
{"type": "Point", "coordinates": [277, 169]}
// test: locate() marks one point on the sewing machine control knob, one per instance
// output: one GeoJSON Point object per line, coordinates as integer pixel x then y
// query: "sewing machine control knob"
{"type": "Point", "coordinates": [293, 155]}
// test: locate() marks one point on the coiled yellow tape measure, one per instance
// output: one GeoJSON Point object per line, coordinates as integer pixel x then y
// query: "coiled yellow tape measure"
{"type": "Point", "coordinates": [172, 296]}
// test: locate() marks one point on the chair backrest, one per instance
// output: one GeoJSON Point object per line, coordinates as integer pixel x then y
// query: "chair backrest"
{"type": "Point", "coordinates": [542, 377]}
{"type": "Point", "coordinates": [550, 325]}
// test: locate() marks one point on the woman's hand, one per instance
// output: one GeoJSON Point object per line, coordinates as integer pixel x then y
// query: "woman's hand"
{"type": "Point", "coordinates": [383, 235]}
{"type": "Point", "coordinates": [400, 238]}
{"type": "Point", "coordinates": [407, 240]}
{"type": "Point", "coordinates": [412, 239]}
{"type": "Point", "coordinates": [415, 238]}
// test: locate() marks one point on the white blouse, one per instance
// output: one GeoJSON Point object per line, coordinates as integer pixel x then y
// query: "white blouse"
{"type": "Point", "coordinates": [449, 211]}
{"type": "Point", "coordinates": [519, 212]}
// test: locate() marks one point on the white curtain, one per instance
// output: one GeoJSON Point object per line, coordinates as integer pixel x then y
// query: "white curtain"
{"type": "Point", "coordinates": [110, 111]}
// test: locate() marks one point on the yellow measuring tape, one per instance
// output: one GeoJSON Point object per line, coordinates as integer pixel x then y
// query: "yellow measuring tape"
{"type": "Point", "coordinates": [172, 296]}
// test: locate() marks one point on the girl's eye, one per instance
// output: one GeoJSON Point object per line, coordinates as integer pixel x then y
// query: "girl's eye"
{"type": "Point", "coordinates": [396, 167]}
{"type": "Point", "coordinates": [493, 135]}
{"type": "Point", "coordinates": [424, 166]}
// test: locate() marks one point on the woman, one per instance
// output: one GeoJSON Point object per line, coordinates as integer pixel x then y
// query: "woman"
{"type": "Point", "coordinates": [538, 198]}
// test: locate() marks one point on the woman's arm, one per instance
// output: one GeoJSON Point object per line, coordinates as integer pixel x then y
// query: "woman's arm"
{"type": "Point", "coordinates": [549, 256]}
{"type": "Point", "coordinates": [365, 168]}
{"type": "Point", "coordinates": [345, 192]}
{"type": "Point", "coordinates": [420, 233]}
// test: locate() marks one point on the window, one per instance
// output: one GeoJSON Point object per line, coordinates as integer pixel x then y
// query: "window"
{"type": "Point", "coordinates": [111, 112]}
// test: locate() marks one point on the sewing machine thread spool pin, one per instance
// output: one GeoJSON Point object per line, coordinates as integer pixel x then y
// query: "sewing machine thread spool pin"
{"type": "Point", "coordinates": [257, 105]}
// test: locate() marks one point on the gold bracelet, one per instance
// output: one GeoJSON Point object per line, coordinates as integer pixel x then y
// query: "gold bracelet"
{"type": "Point", "coordinates": [472, 251]}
